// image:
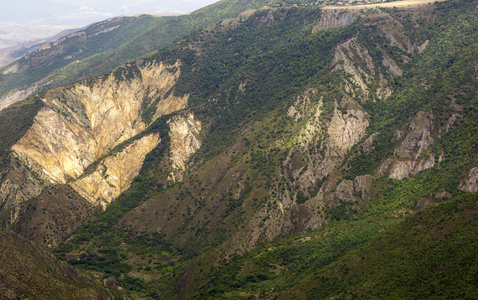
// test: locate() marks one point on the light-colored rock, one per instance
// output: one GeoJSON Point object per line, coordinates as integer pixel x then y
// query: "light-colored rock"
{"type": "Point", "coordinates": [363, 186]}
{"type": "Point", "coordinates": [418, 139]}
{"type": "Point", "coordinates": [423, 46]}
{"type": "Point", "coordinates": [413, 154]}
{"type": "Point", "coordinates": [367, 145]}
{"type": "Point", "coordinates": [383, 90]}
{"type": "Point", "coordinates": [83, 122]}
{"type": "Point", "coordinates": [392, 66]}
{"type": "Point", "coordinates": [441, 195]}
{"type": "Point", "coordinates": [346, 130]}
{"type": "Point", "coordinates": [16, 96]}
{"type": "Point", "coordinates": [184, 132]}
{"type": "Point", "coordinates": [331, 19]}
{"type": "Point", "coordinates": [344, 59]}
{"type": "Point", "coordinates": [451, 122]}
{"type": "Point", "coordinates": [115, 173]}
{"type": "Point", "coordinates": [401, 169]}
{"type": "Point", "coordinates": [470, 183]}
{"type": "Point", "coordinates": [345, 191]}
{"type": "Point", "coordinates": [19, 184]}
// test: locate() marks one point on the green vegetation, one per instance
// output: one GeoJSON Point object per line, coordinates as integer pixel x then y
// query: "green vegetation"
{"type": "Point", "coordinates": [105, 49]}
{"type": "Point", "coordinates": [164, 239]}
{"type": "Point", "coordinates": [29, 271]}
{"type": "Point", "coordinates": [430, 255]}
{"type": "Point", "coordinates": [242, 81]}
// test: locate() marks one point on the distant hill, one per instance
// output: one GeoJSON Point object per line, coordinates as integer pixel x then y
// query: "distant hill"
{"type": "Point", "coordinates": [10, 53]}
{"type": "Point", "coordinates": [15, 34]}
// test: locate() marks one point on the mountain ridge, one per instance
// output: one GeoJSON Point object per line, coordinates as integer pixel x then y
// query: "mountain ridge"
{"type": "Point", "coordinates": [307, 137]}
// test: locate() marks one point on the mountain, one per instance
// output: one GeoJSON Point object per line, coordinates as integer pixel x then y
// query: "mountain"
{"type": "Point", "coordinates": [30, 271]}
{"type": "Point", "coordinates": [20, 49]}
{"type": "Point", "coordinates": [35, 71]}
{"type": "Point", "coordinates": [101, 47]}
{"type": "Point", "coordinates": [14, 34]}
{"type": "Point", "coordinates": [288, 152]}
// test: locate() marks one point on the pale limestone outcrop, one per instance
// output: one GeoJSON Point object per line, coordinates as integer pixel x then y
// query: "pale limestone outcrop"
{"type": "Point", "coordinates": [418, 138]}
{"type": "Point", "coordinates": [330, 142]}
{"type": "Point", "coordinates": [470, 183]}
{"type": "Point", "coordinates": [83, 122]}
{"type": "Point", "coordinates": [348, 190]}
{"type": "Point", "coordinates": [345, 130]}
{"type": "Point", "coordinates": [423, 46]}
{"type": "Point", "coordinates": [345, 191]}
{"type": "Point", "coordinates": [344, 57]}
{"type": "Point", "coordinates": [363, 186]}
{"type": "Point", "coordinates": [184, 131]}
{"type": "Point", "coordinates": [321, 147]}
{"type": "Point", "coordinates": [301, 107]}
{"type": "Point", "coordinates": [17, 95]}
{"type": "Point", "coordinates": [392, 66]}
{"type": "Point", "coordinates": [413, 154]}
{"type": "Point", "coordinates": [332, 19]}
{"type": "Point", "coordinates": [114, 174]}
{"type": "Point", "coordinates": [367, 145]}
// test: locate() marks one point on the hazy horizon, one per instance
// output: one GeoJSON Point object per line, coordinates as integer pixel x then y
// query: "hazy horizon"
{"type": "Point", "coordinates": [83, 12]}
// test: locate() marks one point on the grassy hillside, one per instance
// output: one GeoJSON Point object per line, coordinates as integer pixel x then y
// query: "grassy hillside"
{"type": "Point", "coordinates": [190, 227]}
{"type": "Point", "coordinates": [330, 162]}
{"type": "Point", "coordinates": [30, 271]}
{"type": "Point", "coordinates": [110, 44]}
{"type": "Point", "coordinates": [97, 38]}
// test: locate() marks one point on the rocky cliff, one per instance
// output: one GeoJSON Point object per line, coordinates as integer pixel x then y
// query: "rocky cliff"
{"type": "Point", "coordinates": [81, 123]}
{"type": "Point", "coordinates": [413, 154]}
{"type": "Point", "coordinates": [184, 135]}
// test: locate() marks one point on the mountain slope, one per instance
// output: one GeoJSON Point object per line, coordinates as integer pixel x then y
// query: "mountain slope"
{"type": "Point", "coordinates": [286, 139]}
{"type": "Point", "coordinates": [429, 255]}
{"type": "Point", "coordinates": [29, 271]}
{"type": "Point", "coordinates": [20, 49]}
{"type": "Point", "coordinates": [106, 45]}
{"type": "Point", "coordinates": [30, 74]}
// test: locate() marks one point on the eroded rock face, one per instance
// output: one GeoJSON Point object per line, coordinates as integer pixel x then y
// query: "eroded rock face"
{"type": "Point", "coordinates": [321, 147]}
{"type": "Point", "coordinates": [115, 173]}
{"type": "Point", "coordinates": [344, 57]}
{"type": "Point", "coordinates": [184, 131]}
{"type": "Point", "coordinates": [331, 19]}
{"type": "Point", "coordinates": [363, 186]}
{"type": "Point", "coordinates": [81, 123]}
{"type": "Point", "coordinates": [470, 183]}
{"type": "Point", "coordinates": [345, 130]}
{"type": "Point", "coordinates": [19, 184]}
{"type": "Point", "coordinates": [392, 66]}
{"type": "Point", "coordinates": [413, 154]}
{"type": "Point", "coordinates": [16, 95]}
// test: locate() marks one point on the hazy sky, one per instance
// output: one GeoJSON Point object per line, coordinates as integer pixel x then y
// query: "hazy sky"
{"type": "Point", "coordinates": [84, 12]}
